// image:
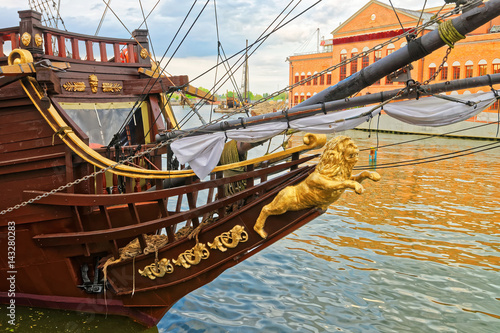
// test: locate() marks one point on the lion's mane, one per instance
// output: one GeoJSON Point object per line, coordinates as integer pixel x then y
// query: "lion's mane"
{"type": "Point", "coordinates": [332, 163]}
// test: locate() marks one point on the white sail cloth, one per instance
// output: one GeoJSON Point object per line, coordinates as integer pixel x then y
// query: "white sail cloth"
{"type": "Point", "coordinates": [203, 152]}
{"type": "Point", "coordinates": [434, 111]}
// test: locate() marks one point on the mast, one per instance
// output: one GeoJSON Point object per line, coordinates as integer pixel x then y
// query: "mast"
{"type": "Point", "coordinates": [332, 98]}
{"type": "Point", "coordinates": [245, 76]}
{"type": "Point", "coordinates": [414, 50]}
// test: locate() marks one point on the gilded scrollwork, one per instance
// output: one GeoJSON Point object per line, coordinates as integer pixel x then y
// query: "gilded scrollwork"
{"type": "Point", "coordinates": [229, 239]}
{"type": "Point", "coordinates": [93, 82]}
{"type": "Point", "coordinates": [111, 87]}
{"type": "Point", "coordinates": [74, 86]}
{"type": "Point", "coordinates": [38, 40]}
{"type": "Point", "coordinates": [26, 39]}
{"type": "Point", "coordinates": [157, 269]}
{"type": "Point", "coordinates": [193, 256]}
{"type": "Point", "coordinates": [144, 53]}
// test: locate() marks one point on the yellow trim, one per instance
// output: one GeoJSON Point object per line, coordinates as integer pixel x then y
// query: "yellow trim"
{"type": "Point", "coordinates": [79, 106]}
{"type": "Point", "coordinates": [145, 122]}
{"type": "Point", "coordinates": [168, 112]}
{"type": "Point", "coordinates": [76, 144]}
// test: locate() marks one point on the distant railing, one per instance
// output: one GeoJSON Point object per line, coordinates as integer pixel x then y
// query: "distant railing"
{"type": "Point", "coordinates": [69, 45]}
{"type": "Point", "coordinates": [42, 40]}
{"type": "Point", "coordinates": [9, 36]}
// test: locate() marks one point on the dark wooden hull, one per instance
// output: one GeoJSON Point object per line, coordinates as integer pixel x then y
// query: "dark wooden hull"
{"type": "Point", "coordinates": [62, 241]}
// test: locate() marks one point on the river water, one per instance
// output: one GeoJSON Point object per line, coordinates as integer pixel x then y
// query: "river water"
{"type": "Point", "coordinates": [418, 251]}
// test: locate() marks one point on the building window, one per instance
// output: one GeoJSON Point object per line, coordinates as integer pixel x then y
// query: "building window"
{"type": "Point", "coordinates": [365, 61]}
{"type": "Point", "coordinates": [456, 72]}
{"type": "Point", "coordinates": [315, 80]}
{"type": "Point", "coordinates": [468, 71]}
{"type": "Point", "coordinates": [377, 55]}
{"type": "Point", "coordinates": [295, 100]}
{"type": "Point", "coordinates": [496, 68]}
{"type": "Point", "coordinates": [328, 79]}
{"type": "Point", "coordinates": [296, 77]}
{"type": "Point", "coordinates": [302, 77]}
{"type": "Point", "coordinates": [432, 71]}
{"type": "Point", "coordinates": [302, 98]}
{"type": "Point", "coordinates": [387, 81]}
{"type": "Point", "coordinates": [322, 79]}
{"type": "Point", "coordinates": [308, 79]}
{"type": "Point", "coordinates": [482, 70]}
{"type": "Point", "coordinates": [444, 73]}
{"type": "Point", "coordinates": [354, 63]}
{"type": "Point", "coordinates": [343, 68]}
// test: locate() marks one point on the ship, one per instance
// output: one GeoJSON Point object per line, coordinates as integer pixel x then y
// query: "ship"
{"type": "Point", "coordinates": [92, 219]}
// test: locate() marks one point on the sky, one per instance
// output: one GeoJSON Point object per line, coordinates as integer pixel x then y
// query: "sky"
{"type": "Point", "coordinates": [237, 21]}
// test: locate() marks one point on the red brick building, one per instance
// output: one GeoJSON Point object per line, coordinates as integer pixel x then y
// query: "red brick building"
{"type": "Point", "coordinates": [376, 23]}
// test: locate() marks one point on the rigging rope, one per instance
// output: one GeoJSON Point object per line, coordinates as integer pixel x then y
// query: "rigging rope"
{"type": "Point", "coordinates": [449, 33]}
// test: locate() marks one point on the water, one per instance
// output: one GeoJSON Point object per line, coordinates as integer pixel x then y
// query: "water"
{"type": "Point", "coordinates": [419, 251]}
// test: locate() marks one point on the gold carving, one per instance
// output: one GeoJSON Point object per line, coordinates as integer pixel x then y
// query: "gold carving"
{"type": "Point", "coordinates": [193, 256]}
{"type": "Point", "coordinates": [229, 239]}
{"type": "Point", "coordinates": [74, 86]}
{"type": "Point", "coordinates": [38, 40]}
{"type": "Point", "coordinates": [93, 82]}
{"type": "Point", "coordinates": [26, 39]}
{"type": "Point", "coordinates": [157, 269]}
{"type": "Point", "coordinates": [19, 56]}
{"type": "Point", "coordinates": [324, 186]}
{"type": "Point", "coordinates": [144, 53]}
{"type": "Point", "coordinates": [111, 87]}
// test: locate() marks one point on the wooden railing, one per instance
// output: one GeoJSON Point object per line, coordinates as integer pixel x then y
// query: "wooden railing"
{"type": "Point", "coordinates": [9, 36]}
{"type": "Point", "coordinates": [41, 40]}
{"type": "Point", "coordinates": [82, 47]}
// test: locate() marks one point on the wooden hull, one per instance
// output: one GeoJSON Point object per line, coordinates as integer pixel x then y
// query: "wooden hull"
{"type": "Point", "coordinates": [62, 244]}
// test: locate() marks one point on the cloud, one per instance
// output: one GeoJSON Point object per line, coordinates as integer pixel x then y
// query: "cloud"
{"type": "Point", "coordinates": [237, 21]}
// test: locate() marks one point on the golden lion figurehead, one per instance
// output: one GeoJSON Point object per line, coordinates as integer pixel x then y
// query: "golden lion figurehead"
{"type": "Point", "coordinates": [340, 156]}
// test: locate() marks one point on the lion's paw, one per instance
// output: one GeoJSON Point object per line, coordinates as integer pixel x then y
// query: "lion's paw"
{"type": "Point", "coordinates": [359, 188]}
{"type": "Point", "coordinates": [375, 176]}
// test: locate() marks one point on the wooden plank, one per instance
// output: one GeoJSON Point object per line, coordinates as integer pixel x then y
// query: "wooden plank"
{"type": "Point", "coordinates": [55, 160]}
{"type": "Point", "coordinates": [152, 86]}
{"type": "Point", "coordinates": [135, 218]}
{"type": "Point", "coordinates": [98, 236]}
{"type": "Point", "coordinates": [156, 111]}
{"type": "Point", "coordinates": [112, 243]}
{"type": "Point", "coordinates": [25, 68]}
{"type": "Point", "coordinates": [79, 226]}
{"type": "Point", "coordinates": [50, 79]}
{"type": "Point", "coordinates": [111, 200]}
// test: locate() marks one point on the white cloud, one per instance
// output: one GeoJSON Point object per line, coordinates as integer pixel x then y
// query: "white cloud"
{"type": "Point", "coordinates": [238, 20]}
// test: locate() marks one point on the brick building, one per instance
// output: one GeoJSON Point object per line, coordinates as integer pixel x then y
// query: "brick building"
{"type": "Point", "coordinates": [376, 23]}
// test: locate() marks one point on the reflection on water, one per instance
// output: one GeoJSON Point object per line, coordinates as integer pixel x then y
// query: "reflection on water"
{"type": "Point", "coordinates": [419, 251]}
{"type": "Point", "coordinates": [37, 320]}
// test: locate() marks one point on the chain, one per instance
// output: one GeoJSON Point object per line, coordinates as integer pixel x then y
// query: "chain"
{"type": "Point", "coordinates": [445, 58]}
{"type": "Point", "coordinates": [94, 174]}
{"type": "Point", "coordinates": [164, 143]}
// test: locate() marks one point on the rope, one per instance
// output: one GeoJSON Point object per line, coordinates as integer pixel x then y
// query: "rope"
{"type": "Point", "coordinates": [449, 34]}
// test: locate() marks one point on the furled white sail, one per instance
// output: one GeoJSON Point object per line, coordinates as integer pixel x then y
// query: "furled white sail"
{"type": "Point", "coordinates": [203, 152]}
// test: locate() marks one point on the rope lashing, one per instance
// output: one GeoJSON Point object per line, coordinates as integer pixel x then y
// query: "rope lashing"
{"type": "Point", "coordinates": [449, 33]}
